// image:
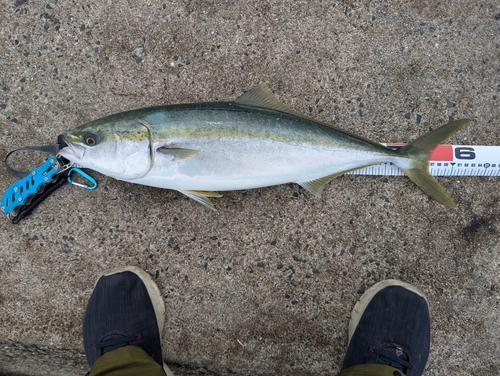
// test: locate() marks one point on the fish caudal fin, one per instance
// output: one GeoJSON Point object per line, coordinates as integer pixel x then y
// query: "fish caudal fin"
{"type": "Point", "coordinates": [430, 185]}
{"type": "Point", "coordinates": [420, 150]}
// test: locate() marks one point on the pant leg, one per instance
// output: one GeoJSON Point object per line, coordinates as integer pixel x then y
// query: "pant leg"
{"type": "Point", "coordinates": [126, 361]}
{"type": "Point", "coordinates": [371, 370]}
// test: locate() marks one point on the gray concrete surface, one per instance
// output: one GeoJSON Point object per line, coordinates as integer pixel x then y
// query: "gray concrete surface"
{"type": "Point", "coordinates": [266, 284]}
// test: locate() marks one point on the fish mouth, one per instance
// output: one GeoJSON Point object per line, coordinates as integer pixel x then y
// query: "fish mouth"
{"type": "Point", "coordinates": [72, 152]}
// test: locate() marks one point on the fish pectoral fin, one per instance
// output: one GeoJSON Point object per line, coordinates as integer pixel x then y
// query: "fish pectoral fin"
{"type": "Point", "coordinates": [202, 197]}
{"type": "Point", "coordinates": [261, 96]}
{"type": "Point", "coordinates": [178, 154]}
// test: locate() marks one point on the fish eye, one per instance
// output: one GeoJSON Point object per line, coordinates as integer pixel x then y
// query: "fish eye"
{"type": "Point", "coordinates": [91, 139]}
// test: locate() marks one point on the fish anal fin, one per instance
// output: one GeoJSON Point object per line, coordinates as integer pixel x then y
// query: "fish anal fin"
{"type": "Point", "coordinates": [316, 186]}
{"type": "Point", "coordinates": [178, 154]}
{"type": "Point", "coordinates": [202, 197]}
{"type": "Point", "coordinates": [429, 185]}
{"type": "Point", "coordinates": [262, 96]}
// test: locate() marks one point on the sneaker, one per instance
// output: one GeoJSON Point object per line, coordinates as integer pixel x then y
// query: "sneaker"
{"type": "Point", "coordinates": [390, 325]}
{"type": "Point", "coordinates": [126, 309]}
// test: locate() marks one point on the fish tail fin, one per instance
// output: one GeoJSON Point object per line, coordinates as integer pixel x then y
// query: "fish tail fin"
{"type": "Point", "coordinates": [420, 151]}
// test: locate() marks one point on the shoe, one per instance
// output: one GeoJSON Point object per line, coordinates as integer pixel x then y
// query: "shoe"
{"type": "Point", "coordinates": [390, 325]}
{"type": "Point", "coordinates": [125, 309]}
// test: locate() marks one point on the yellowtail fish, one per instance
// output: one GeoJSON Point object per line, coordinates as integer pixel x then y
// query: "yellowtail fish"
{"type": "Point", "coordinates": [255, 141]}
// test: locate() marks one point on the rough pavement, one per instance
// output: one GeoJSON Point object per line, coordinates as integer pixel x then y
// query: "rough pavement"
{"type": "Point", "coordinates": [266, 284]}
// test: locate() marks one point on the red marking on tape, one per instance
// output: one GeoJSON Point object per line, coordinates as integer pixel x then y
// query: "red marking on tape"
{"type": "Point", "coordinates": [442, 153]}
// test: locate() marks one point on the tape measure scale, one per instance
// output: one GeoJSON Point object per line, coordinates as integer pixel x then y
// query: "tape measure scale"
{"type": "Point", "coordinates": [448, 160]}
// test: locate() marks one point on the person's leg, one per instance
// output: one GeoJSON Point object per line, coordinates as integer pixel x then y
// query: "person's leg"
{"type": "Point", "coordinates": [123, 324]}
{"type": "Point", "coordinates": [389, 332]}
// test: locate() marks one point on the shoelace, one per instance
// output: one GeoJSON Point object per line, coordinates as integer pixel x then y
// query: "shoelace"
{"type": "Point", "coordinates": [114, 341]}
{"type": "Point", "coordinates": [394, 356]}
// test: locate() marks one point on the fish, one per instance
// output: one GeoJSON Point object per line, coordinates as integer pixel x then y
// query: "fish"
{"type": "Point", "coordinates": [255, 141]}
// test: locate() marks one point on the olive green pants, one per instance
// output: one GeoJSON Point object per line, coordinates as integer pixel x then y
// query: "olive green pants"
{"type": "Point", "coordinates": [371, 370]}
{"type": "Point", "coordinates": [126, 361]}
{"type": "Point", "coordinates": [131, 361]}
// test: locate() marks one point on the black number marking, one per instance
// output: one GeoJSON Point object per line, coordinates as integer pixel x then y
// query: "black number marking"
{"type": "Point", "coordinates": [465, 153]}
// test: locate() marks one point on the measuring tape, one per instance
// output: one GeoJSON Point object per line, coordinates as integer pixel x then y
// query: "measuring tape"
{"type": "Point", "coordinates": [448, 160]}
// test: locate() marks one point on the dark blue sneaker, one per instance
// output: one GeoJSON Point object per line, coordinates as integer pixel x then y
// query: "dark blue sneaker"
{"type": "Point", "coordinates": [126, 309]}
{"type": "Point", "coordinates": [390, 325]}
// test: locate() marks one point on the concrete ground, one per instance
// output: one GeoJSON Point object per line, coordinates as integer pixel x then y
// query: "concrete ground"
{"type": "Point", "coordinates": [265, 285]}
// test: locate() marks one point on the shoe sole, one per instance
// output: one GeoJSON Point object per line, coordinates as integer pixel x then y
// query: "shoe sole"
{"type": "Point", "coordinates": [154, 294]}
{"type": "Point", "coordinates": [360, 306]}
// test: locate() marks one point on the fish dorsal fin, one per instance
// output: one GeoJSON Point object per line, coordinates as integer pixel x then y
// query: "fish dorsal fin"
{"type": "Point", "coordinates": [202, 197]}
{"type": "Point", "coordinates": [261, 96]}
{"type": "Point", "coordinates": [178, 154]}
